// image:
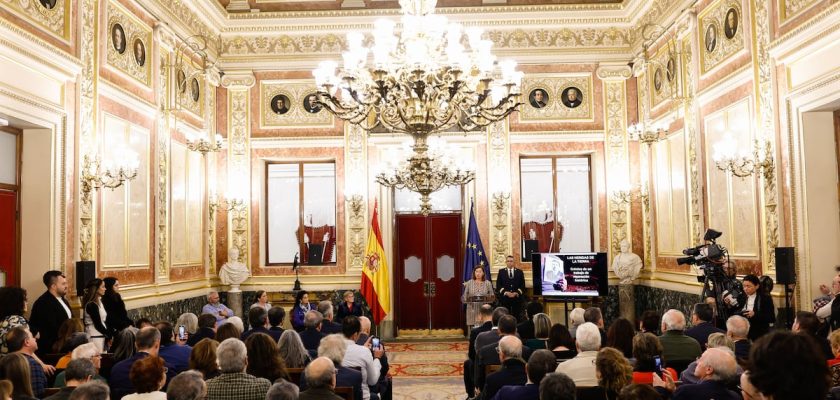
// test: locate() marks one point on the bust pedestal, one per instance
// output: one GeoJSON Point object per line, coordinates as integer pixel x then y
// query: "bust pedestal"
{"type": "Point", "coordinates": [235, 302]}
{"type": "Point", "coordinates": [627, 301]}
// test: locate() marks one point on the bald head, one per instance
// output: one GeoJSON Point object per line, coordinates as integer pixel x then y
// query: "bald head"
{"type": "Point", "coordinates": [510, 347]}
{"type": "Point", "coordinates": [716, 364]}
{"type": "Point", "coordinates": [320, 373]}
{"type": "Point", "coordinates": [365, 321]}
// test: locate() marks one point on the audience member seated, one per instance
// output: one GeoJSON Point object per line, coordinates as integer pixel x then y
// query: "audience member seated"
{"type": "Point", "coordinates": [283, 391]}
{"type": "Point", "coordinates": [75, 340]}
{"type": "Point", "coordinates": [190, 323]}
{"type": "Point", "coordinates": [148, 345]}
{"type": "Point", "coordinates": [594, 315]}
{"type": "Point", "coordinates": [334, 347]}
{"type": "Point", "coordinates": [203, 358]}
{"type": "Point", "coordinates": [327, 325]}
{"type": "Point", "coordinates": [646, 348]}
{"type": "Point", "coordinates": [66, 331]}
{"type": "Point", "coordinates": [87, 351]}
{"type": "Point", "coordinates": [258, 320]}
{"type": "Point", "coordinates": [188, 385]}
{"type": "Point", "coordinates": [581, 369]}
{"type": "Point", "coordinates": [215, 308]}
{"type": "Point", "coordinates": [15, 368]}
{"type": "Point", "coordinates": [678, 350]}
{"type": "Point", "coordinates": [834, 363]}
{"type": "Point", "coordinates": [561, 343]}
{"type": "Point", "coordinates": [541, 363]}
{"type": "Point", "coordinates": [364, 334]}
{"type": "Point", "coordinates": [748, 391]}
{"type": "Point", "coordinates": [93, 390]}
{"type": "Point", "coordinates": [489, 354]}
{"type": "Point", "coordinates": [613, 372]}
{"type": "Point", "coordinates": [312, 335]}
{"type": "Point", "coordinates": [123, 345]}
{"type": "Point", "coordinates": [737, 329]}
{"type": "Point", "coordinates": [526, 328]}
{"type": "Point", "coordinates": [513, 366]}
{"type": "Point", "coordinates": [541, 325]}
{"type": "Point", "coordinates": [348, 307]}
{"type": "Point", "coordinates": [172, 349]}
{"type": "Point", "coordinates": [620, 336]}
{"type": "Point", "coordinates": [360, 356]}
{"type": "Point", "coordinates": [206, 329]}
{"type": "Point", "coordinates": [234, 383]}
{"type": "Point", "coordinates": [13, 303]}
{"type": "Point", "coordinates": [649, 322]}
{"type": "Point", "coordinates": [143, 322]}
{"type": "Point", "coordinates": [558, 386]}
{"type": "Point", "coordinates": [485, 313]}
{"type": "Point", "coordinates": [77, 372]}
{"type": "Point", "coordinates": [6, 389]}
{"type": "Point", "coordinates": [320, 380]}
{"type": "Point", "coordinates": [292, 350]}
{"type": "Point", "coordinates": [702, 326]}
{"type": "Point", "coordinates": [716, 340]}
{"type": "Point", "coordinates": [714, 369]}
{"type": "Point", "coordinates": [806, 323]}
{"type": "Point", "coordinates": [635, 391]}
{"type": "Point", "coordinates": [20, 341]}
{"type": "Point", "coordinates": [276, 315]}
{"type": "Point", "coordinates": [576, 318]}
{"type": "Point", "coordinates": [227, 331]}
{"type": "Point", "coordinates": [148, 376]}
{"type": "Point", "coordinates": [299, 310]}
{"type": "Point", "coordinates": [261, 300]}
{"type": "Point", "coordinates": [264, 359]}
{"type": "Point", "coordinates": [787, 366]}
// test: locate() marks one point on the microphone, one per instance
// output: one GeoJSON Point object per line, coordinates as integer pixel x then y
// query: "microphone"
{"type": "Point", "coordinates": [295, 262]}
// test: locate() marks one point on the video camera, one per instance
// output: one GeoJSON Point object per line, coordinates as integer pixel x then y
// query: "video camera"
{"type": "Point", "coordinates": [705, 253]}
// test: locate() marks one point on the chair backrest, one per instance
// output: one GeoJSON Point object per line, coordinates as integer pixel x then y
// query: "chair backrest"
{"type": "Point", "coordinates": [489, 369]}
{"type": "Point", "coordinates": [52, 358]}
{"type": "Point", "coordinates": [50, 391]}
{"type": "Point", "coordinates": [345, 392]}
{"type": "Point", "coordinates": [295, 374]}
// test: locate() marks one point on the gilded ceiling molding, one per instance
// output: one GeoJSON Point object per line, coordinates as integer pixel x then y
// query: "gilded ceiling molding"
{"type": "Point", "coordinates": [185, 16]}
{"type": "Point", "coordinates": [614, 79]}
{"type": "Point", "coordinates": [498, 166]}
{"type": "Point", "coordinates": [763, 67]}
{"type": "Point", "coordinates": [355, 193]}
{"type": "Point", "coordinates": [87, 122]}
{"type": "Point", "coordinates": [238, 85]}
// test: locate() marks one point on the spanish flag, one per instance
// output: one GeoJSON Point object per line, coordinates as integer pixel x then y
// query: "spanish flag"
{"type": "Point", "coordinates": [375, 283]}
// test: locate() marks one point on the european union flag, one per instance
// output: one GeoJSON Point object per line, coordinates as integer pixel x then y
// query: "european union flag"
{"type": "Point", "coordinates": [474, 253]}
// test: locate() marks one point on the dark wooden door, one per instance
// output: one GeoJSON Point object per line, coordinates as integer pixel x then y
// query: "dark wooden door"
{"type": "Point", "coordinates": [428, 272]}
{"type": "Point", "coordinates": [8, 233]}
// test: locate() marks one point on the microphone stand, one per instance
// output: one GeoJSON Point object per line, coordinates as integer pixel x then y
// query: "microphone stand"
{"type": "Point", "coordinates": [297, 275]}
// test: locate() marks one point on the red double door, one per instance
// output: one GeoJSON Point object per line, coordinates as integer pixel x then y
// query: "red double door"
{"type": "Point", "coordinates": [8, 236]}
{"type": "Point", "coordinates": [428, 272]}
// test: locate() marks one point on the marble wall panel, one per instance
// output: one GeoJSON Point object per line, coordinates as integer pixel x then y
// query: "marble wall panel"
{"type": "Point", "coordinates": [661, 300]}
{"type": "Point", "coordinates": [172, 310]}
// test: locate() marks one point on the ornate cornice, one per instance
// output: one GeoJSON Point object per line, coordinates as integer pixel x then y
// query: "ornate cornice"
{"type": "Point", "coordinates": [238, 80]}
{"type": "Point", "coordinates": [614, 72]}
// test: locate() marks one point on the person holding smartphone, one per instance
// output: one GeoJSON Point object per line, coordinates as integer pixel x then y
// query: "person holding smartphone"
{"type": "Point", "coordinates": [647, 350]}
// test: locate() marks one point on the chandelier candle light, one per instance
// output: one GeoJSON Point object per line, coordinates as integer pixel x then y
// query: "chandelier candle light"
{"type": "Point", "coordinates": [433, 76]}
{"type": "Point", "coordinates": [202, 143]}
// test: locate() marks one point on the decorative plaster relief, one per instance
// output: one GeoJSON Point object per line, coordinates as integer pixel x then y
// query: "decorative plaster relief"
{"type": "Point", "coordinates": [664, 76]}
{"type": "Point", "coordinates": [87, 124]}
{"type": "Point", "coordinates": [129, 44]}
{"type": "Point", "coordinates": [296, 110]}
{"type": "Point", "coordinates": [52, 15]}
{"type": "Point", "coordinates": [190, 88]}
{"type": "Point", "coordinates": [721, 33]}
{"type": "Point", "coordinates": [556, 105]}
{"type": "Point", "coordinates": [790, 8]}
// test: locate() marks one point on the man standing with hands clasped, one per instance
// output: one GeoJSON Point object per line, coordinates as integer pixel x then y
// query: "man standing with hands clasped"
{"type": "Point", "coordinates": [510, 287]}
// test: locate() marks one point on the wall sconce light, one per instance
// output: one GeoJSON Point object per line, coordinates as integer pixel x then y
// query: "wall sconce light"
{"type": "Point", "coordinates": [647, 132]}
{"type": "Point", "coordinates": [202, 144]}
{"type": "Point", "coordinates": [112, 175]}
{"type": "Point", "coordinates": [742, 165]}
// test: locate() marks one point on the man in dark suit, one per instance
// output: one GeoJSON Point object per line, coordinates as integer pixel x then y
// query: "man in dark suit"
{"type": "Point", "coordinates": [541, 363]}
{"type": "Point", "coordinates": [510, 287]}
{"type": "Point", "coordinates": [526, 328]}
{"type": "Point", "coordinates": [485, 314]}
{"type": "Point", "coordinates": [206, 329]}
{"type": "Point", "coordinates": [173, 350]}
{"type": "Point", "coordinates": [714, 368]}
{"type": "Point", "coordinates": [737, 328]}
{"type": "Point", "coordinates": [320, 380]}
{"type": "Point", "coordinates": [513, 367]}
{"type": "Point", "coordinates": [491, 336]}
{"type": "Point", "coordinates": [489, 354]}
{"type": "Point", "coordinates": [258, 319]}
{"type": "Point", "coordinates": [275, 320]}
{"type": "Point", "coordinates": [311, 334]}
{"type": "Point", "coordinates": [327, 325]}
{"type": "Point", "coordinates": [334, 347]}
{"type": "Point", "coordinates": [701, 318]}
{"type": "Point", "coordinates": [147, 342]}
{"type": "Point", "coordinates": [49, 311]}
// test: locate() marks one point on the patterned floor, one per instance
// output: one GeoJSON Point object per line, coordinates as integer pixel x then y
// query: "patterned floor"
{"type": "Point", "coordinates": [428, 371]}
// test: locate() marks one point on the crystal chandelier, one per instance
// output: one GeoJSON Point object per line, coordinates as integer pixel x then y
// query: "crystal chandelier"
{"type": "Point", "coordinates": [123, 166]}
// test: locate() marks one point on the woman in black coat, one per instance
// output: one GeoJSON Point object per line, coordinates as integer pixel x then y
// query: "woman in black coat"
{"type": "Point", "coordinates": [117, 318]}
{"type": "Point", "coordinates": [758, 308]}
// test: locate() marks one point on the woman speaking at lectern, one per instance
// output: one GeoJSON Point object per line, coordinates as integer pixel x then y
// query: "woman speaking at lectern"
{"type": "Point", "coordinates": [477, 291]}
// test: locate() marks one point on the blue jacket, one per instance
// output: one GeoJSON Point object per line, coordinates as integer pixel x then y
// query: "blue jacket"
{"type": "Point", "coordinates": [177, 355]}
{"type": "Point", "coordinates": [526, 392]}
{"type": "Point", "coordinates": [297, 316]}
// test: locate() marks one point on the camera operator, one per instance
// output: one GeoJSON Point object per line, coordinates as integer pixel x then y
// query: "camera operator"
{"type": "Point", "coordinates": [758, 308]}
{"type": "Point", "coordinates": [720, 286]}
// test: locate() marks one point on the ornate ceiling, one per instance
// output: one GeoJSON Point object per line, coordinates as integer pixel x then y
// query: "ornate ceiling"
{"type": "Point", "coordinates": [234, 6]}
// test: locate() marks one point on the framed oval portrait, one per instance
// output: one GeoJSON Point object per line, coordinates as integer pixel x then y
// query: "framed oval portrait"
{"type": "Point", "coordinates": [182, 81]}
{"type": "Point", "coordinates": [538, 98]}
{"type": "Point", "coordinates": [671, 69]}
{"type": "Point", "coordinates": [730, 26]}
{"type": "Point", "coordinates": [571, 97]}
{"type": "Point", "coordinates": [657, 79]}
{"type": "Point", "coordinates": [195, 90]}
{"type": "Point", "coordinates": [139, 52]}
{"type": "Point", "coordinates": [280, 104]}
{"type": "Point", "coordinates": [710, 38]}
{"type": "Point", "coordinates": [118, 38]}
{"type": "Point", "coordinates": [48, 4]}
{"type": "Point", "coordinates": [309, 104]}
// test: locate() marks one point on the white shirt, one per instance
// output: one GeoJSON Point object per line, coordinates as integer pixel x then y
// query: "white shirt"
{"type": "Point", "coordinates": [360, 356]}
{"type": "Point", "coordinates": [146, 396]}
{"type": "Point", "coordinates": [750, 302]}
{"type": "Point", "coordinates": [581, 369]}
{"type": "Point", "coordinates": [66, 309]}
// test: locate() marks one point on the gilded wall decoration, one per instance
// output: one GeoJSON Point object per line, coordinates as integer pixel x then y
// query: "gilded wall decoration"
{"type": "Point", "coordinates": [180, 11]}
{"type": "Point", "coordinates": [557, 97]}
{"type": "Point", "coordinates": [286, 104]}
{"type": "Point", "coordinates": [663, 75]}
{"type": "Point", "coordinates": [721, 28]}
{"type": "Point", "coordinates": [190, 88]}
{"type": "Point", "coordinates": [129, 43]}
{"type": "Point", "coordinates": [52, 15]}
{"type": "Point", "coordinates": [790, 8]}
{"type": "Point", "coordinates": [355, 193]}
{"type": "Point", "coordinates": [691, 108]}
{"type": "Point", "coordinates": [162, 196]}
{"type": "Point", "coordinates": [239, 159]}
{"type": "Point", "coordinates": [87, 120]}
{"type": "Point", "coordinates": [498, 165]}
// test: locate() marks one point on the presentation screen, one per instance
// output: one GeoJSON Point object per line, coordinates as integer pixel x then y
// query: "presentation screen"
{"type": "Point", "coordinates": [570, 274]}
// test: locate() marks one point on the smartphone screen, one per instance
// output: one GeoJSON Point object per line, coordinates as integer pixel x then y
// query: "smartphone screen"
{"type": "Point", "coordinates": [375, 343]}
{"type": "Point", "coordinates": [182, 332]}
{"type": "Point", "coordinates": [657, 368]}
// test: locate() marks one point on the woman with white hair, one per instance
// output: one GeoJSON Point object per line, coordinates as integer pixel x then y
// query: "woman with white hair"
{"type": "Point", "coordinates": [576, 318]}
{"type": "Point", "coordinates": [190, 323]}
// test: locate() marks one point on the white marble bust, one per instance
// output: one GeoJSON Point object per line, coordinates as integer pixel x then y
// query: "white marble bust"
{"type": "Point", "coordinates": [233, 273]}
{"type": "Point", "coordinates": [626, 264]}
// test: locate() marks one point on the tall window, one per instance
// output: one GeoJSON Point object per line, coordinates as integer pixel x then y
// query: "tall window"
{"type": "Point", "coordinates": [556, 204]}
{"type": "Point", "coordinates": [187, 206]}
{"type": "Point", "coordinates": [300, 205]}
